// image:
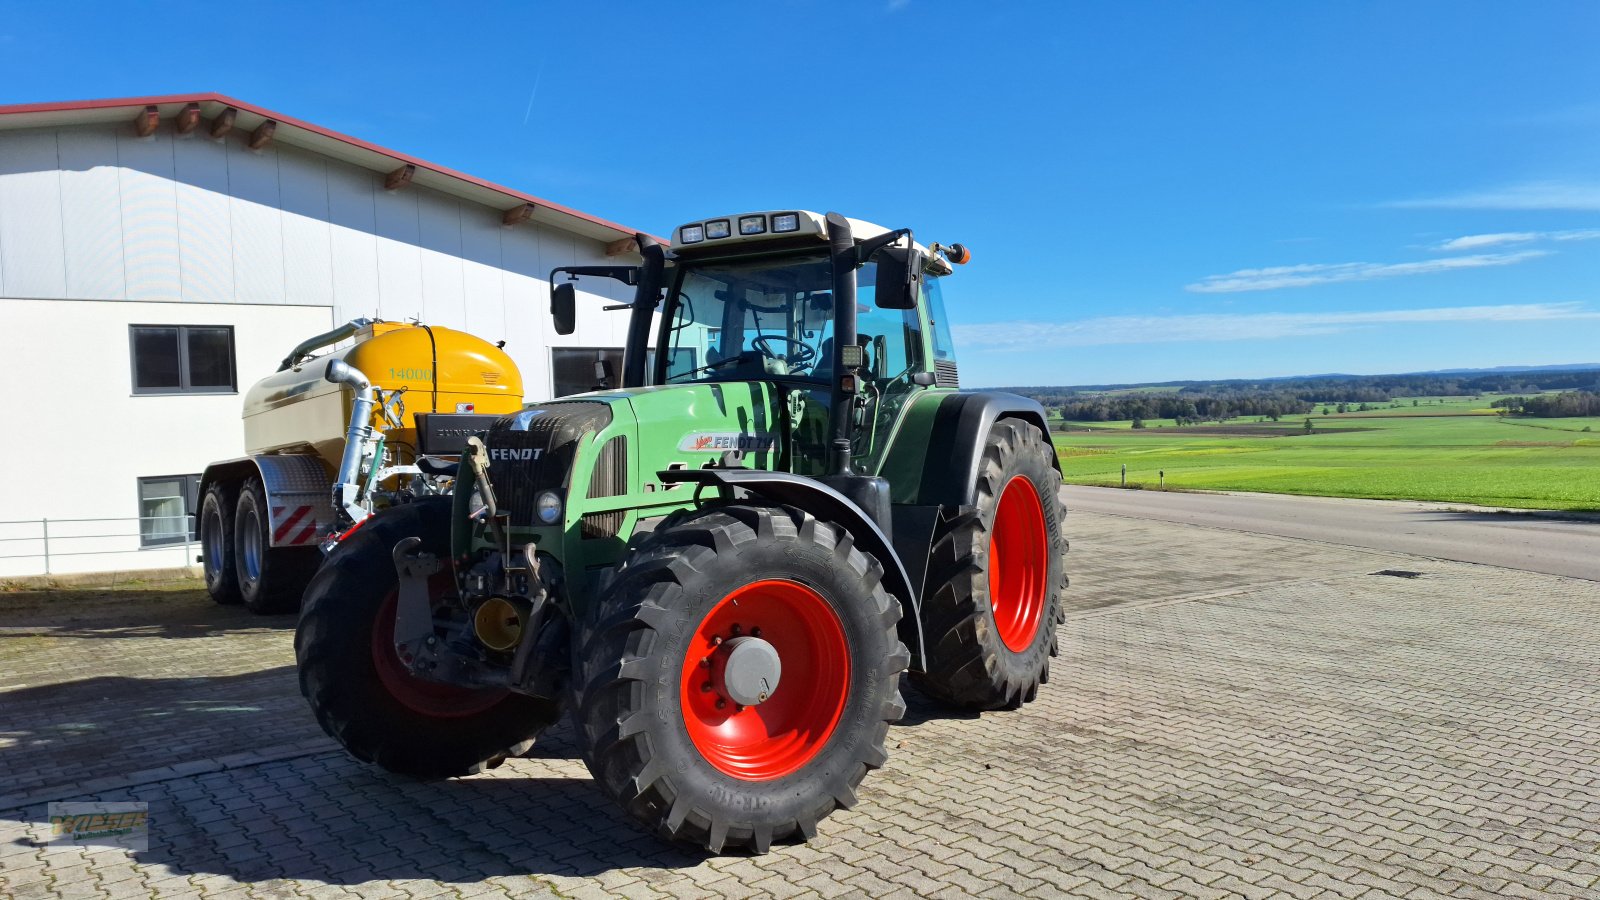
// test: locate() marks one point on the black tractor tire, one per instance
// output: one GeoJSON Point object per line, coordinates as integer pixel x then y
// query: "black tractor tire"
{"type": "Point", "coordinates": [270, 579]}
{"type": "Point", "coordinates": [216, 543]}
{"type": "Point", "coordinates": [650, 728]}
{"type": "Point", "coordinates": [983, 653]}
{"type": "Point", "coordinates": [357, 687]}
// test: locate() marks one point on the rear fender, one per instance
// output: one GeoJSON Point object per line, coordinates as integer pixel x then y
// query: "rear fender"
{"type": "Point", "coordinates": [299, 494]}
{"type": "Point", "coordinates": [953, 447]}
{"type": "Point", "coordinates": [825, 503]}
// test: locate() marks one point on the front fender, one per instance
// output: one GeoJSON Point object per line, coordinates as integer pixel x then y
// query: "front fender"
{"type": "Point", "coordinates": [825, 503]}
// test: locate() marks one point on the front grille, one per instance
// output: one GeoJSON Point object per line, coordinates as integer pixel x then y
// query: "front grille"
{"type": "Point", "coordinates": [532, 451]}
{"type": "Point", "coordinates": [594, 526]}
{"type": "Point", "coordinates": [610, 476]}
{"type": "Point", "coordinates": [945, 373]}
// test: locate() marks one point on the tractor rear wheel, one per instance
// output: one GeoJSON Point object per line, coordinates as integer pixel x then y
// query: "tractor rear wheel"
{"type": "Point", "coordinates": [361, 693]}
{"type": "Point", "coordinates": [996, 579]}
{"type": "Point", "coordinates": [216, 544]}
{"type": "Point", "coordinates": [736, 678]}
{"type": "Point", "coordinates": [271, 579]}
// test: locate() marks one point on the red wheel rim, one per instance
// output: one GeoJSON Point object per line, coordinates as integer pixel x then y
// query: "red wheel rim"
{"type": "Point", "coordinates": [430, 698]}
{"type": "Point", "coordinates": [788, 730]}
{"type": "Point", "coordinates": [1019, 564]}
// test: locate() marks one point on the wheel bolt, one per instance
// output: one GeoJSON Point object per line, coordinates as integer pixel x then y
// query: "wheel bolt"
{"type": "Point", "coordinates": [755, 632]}
{"type": "Point", "coordinates": [721, 703]}
{"type": "Point", "coordinates": [737, 708]}
{"type": "Point", "coordinates": [735, 628]}
{"type": "Point", "coordinates": [705, 688]}
{"type": "Point", "coordinates": [716, 640]}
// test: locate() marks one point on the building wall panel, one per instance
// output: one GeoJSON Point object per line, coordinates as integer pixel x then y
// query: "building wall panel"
{"type": "Point", "coordinates": [355, 246]}
{"type": "Point", "coordinates": [527, 306]}
{"type": "Point", "coordinates": [205, 233]}
{"type": "Point", "coordinates": [32, 256]}
{"type": "Point", "coordinates": [149, 204]}
{"type": "Point", "coordinates": [91, 213]}
{"type": "Point", "coordinates": [439, 232]}
{"type": "Point", "coordinates": [307, 236]}
{"type": "Point", "coordinates": [254, 185]}
{"type": "Point", "coordinates": [399, 257]}
{"type": "Point", "coordinates": [481, 280]}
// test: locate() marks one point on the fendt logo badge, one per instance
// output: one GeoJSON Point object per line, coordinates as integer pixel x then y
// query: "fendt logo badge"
{"type": "Point", "coordinates": [722, 441]}
{"type": "Point", "coordinates": [515, 454]}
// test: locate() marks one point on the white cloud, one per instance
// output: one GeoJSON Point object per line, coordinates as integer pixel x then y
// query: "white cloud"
{"type": "Point", "coordinates": [1025, 335]}
{"type": "Point", "coordinates": [1528, 195]}
{"type": "Point", "coordinates": [1276, 277]}
{"type": "Point", "coordinates": [1480, 241]}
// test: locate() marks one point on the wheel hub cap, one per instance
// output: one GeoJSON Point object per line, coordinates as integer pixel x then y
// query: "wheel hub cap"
{"type": "Point", "coordinates": [746, 670]}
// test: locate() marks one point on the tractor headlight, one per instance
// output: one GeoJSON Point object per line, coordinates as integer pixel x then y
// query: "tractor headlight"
{"type": "Point", "coordinates": [786, 222]}
{"type": "Point", "coordinates": [717, 229]}
{"type": "Point", "coordinates": [752, 224]}
{"type": "Point", "coordinates": [549, 507]}
{"type": "Point", "coordinates": [691, 234]}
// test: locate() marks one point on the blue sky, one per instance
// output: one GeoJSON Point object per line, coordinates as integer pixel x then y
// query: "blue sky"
{"type": "Point", "coordinates": [1152, 191]}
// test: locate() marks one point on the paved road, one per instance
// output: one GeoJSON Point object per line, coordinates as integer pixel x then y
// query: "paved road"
{"type": "Point", "coordinates": [1232, 715]}
{"type": "Point", "coordinates": [1442, 531]}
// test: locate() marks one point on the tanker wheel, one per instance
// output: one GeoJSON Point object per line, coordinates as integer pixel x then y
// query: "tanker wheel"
{"type": "Point", "coordinates": [996, 579]}
{"type": "Point", "coordinates": [736, 678]}
{"type": "Point", "coordinates": [271, 579]}
{"type": "Point", "coordinates": [216, 544]}
{"type": "Point", "coordinates": [361, 693]}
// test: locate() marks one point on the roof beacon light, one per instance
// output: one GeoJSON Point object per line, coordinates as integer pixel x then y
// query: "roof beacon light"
{"type": "Point", "coordinates": [783, 222]}
{"type": "Point", "coordinates": [956, 253]}
{"type": "Point", "coordinates": [717, 229]}
{"type": "Point", "coordinates": [691, 234]}
{"type": "Point", "coordinates": [752, 224]}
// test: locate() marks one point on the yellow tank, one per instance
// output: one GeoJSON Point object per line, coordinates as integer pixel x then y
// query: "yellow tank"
{"type": "Point", "coordinates": [442, 370]}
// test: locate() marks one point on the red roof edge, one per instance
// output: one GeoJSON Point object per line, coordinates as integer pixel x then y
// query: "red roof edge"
{"type": "Point", "coordinates": [208, 97]}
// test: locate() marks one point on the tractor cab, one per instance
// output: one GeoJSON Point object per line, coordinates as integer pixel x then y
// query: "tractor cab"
{"type": "Point", "coordinates": [761, 297]}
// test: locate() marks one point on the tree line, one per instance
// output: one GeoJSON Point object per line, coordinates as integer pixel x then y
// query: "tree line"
{"type": "Point", "coordinates": [1185, 408]}
{"type": "Point", "coordinates": [1553, 406]}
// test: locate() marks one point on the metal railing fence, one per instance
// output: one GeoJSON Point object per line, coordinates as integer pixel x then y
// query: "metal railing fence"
{"type": "Point", "coordinates": [61, 538]}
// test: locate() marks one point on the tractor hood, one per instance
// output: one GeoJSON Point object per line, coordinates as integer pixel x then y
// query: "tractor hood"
{"type": "Point", "coordinates": [591, 448]}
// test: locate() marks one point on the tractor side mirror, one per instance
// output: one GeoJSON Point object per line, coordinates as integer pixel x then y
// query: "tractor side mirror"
{"type": "Point", "coordinates": [564, 307]}
{"type": "Point", "coordinates": [899, 278]}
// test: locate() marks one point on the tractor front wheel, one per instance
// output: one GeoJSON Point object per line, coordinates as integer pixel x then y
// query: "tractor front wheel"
{"type": "Point", "coordinates": [737, 676]}
{"type": "Point", "coordinates": [361, 693]}
{"type": "Point", "coordinates": [996, 576]}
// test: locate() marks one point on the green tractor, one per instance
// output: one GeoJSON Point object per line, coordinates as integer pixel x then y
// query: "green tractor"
{"type": "Point", "coordinates": [723, 565]}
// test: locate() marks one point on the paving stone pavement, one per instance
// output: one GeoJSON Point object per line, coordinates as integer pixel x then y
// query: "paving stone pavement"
{"type": "Point", "coordinates": [1232, 715]}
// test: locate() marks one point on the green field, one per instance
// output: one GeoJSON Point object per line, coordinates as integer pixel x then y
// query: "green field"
{"type": "Point", "coordinates": [1455, 451]}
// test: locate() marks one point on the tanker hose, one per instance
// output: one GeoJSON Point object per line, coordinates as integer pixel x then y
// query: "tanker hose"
{"type": "Point", "coordinates": [346, 491]}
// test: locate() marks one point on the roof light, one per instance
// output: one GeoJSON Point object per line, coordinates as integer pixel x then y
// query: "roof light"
{"type": "Point", "coordinates": [783, 222]}
{"type": "Point", "coordinates": [752, 224]}
{"type": "Point", "coordinates": [717, 229]}
{"type": "Point", "coordinates": [691, 234]}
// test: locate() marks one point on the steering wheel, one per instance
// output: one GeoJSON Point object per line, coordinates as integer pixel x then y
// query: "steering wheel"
{"type": "Point", "coordinates": [801, 354]}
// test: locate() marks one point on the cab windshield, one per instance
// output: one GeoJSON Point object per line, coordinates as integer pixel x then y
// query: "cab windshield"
{"type": "Point", "coordinates": [771, 319]}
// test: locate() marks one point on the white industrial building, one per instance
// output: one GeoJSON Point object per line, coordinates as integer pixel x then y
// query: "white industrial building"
{"type": "Point", "coordinates": [158, 255]}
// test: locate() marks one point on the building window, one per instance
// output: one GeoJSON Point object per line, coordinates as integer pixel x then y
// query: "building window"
{"type": "Point", "coordinates": [182, 359]}
{"type": "Point", "coordinates": [166, 505]}
{"type": "Point", "coordinates": [573, 369]}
